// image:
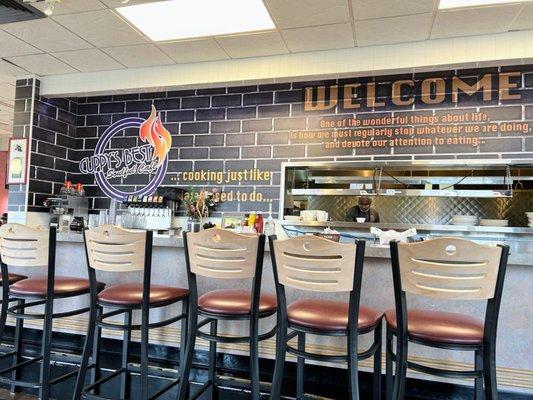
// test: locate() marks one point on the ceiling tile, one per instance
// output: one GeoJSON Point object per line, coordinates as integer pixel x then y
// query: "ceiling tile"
{"type": "Point", "coordinates": [474, 21]}
{"type": "Point", "coordinates": [72, 6]}
{"type": "Point", "coordinates": [325, 37]}
{"type": "Point", "coordinates": [298, 13]}
{"type": "Point", "coordinates": [10, 69]}
{"type": "Point", "coordinates": [118, 3]}
{"type": "Point", "coordinates": [42, 64]}
{"type": "Point", "coordinates": [140, 55]}
{"type": "Point", "coordinates": [194, 50]}
{"type": "Point", "coordinates": [101, 28]}
{"type": "Point", "coordinates": [254, 45]}
{"type": "Point", "coordinates": [524, 19]}
{"type": "Point", "coordinates": [408, 28]}
{"type": "Point", "coordinates": [11, 46]}
{"type": "Point", "coordinates": [7, 91]}
{"type": "Point", "coordinates": [88, 60]}
{"type": "Point", "coordinates": [364, 9]}
{"type": "Point", "coordinates": [47, 35]}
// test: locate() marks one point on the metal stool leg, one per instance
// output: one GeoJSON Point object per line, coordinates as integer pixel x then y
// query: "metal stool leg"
{"type": "Point", "coordinates": [398, 390]}
{"type": "Point", "coordinates": [213, 392]}
{"type": "Point", "coordinates": [80, 382]}
{"type": "Point", "coordinates": [185, 369]}
{"type": "Point", "coordinates": [254, 358]}
{"type": "Point", "coordinates": [144, 353]}
{"type": "Point", "coordinates": [281, 350]}
{"type": "Point", "coordinates": [489, 372]}
{"type": "Point", "coordinates": [44, 391]}
{"type": "Point", "coordinates": [17, 358]}
{"type": "Point", "coordinates": [300, 368]}
{"type": "Point", "coordinates": [183, 333]}
{"type": "Point", "coordinates": [95, 372]}
{"type": "Point", "coordinates": [125, 376]}
{"type": "Point", "coordinates": [353, 382]}
{"type": "Point", "coordinates": [389, 377]}
{"type": "Point", "coordinates": [478, 364]}
{"type": "Point", "coordinates": [377, 363]}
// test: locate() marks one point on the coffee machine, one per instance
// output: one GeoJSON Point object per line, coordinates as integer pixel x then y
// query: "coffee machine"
{"type": "Point", "coordinates": [66, 209]}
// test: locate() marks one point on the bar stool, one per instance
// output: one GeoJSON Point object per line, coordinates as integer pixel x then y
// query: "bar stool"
{"type": "Point", "coordinates": [113, 249]}
{"type": "Point", "coordinates": [312, 263]}
{"type": "Point", "coordinates": [23, 246]}
{"type": "Point", "coordinates": [222, 254]}
{"type": "Point", "coordinates": [449, 269]}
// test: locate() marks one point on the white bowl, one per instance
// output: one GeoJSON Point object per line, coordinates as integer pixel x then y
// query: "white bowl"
{"type": "Point", "coordinates": [493, 222]}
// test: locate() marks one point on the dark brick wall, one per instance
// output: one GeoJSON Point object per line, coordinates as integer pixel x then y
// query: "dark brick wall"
{"type": "Point", "coordinates": [249, 127]}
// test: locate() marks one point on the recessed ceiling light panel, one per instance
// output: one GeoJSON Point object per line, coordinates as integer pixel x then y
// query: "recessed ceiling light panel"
{"type": "Point", "coordinates": [445, 4]}
{"type": "Point", "coordinates": [185, 19]}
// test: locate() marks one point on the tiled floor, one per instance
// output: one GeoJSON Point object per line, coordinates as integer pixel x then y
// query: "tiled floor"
{"type": "Point", "coordinates": [4, 395]}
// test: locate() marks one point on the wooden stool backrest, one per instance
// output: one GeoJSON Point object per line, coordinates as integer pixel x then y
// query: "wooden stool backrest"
{"type": "Point", "coordinates": [24, 246]}
{"type": "Point", "coordinates": [115, 249]}
{"type": "Point", "coordinates": [449, 268]}
{"type": "Point", "coordinates": [316, 264]}
{"type": "Point", "coordinates": [222, 254]}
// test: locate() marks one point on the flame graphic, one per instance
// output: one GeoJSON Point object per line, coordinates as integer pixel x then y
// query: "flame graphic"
{"type": "Point", "coordinates": [153, 132]}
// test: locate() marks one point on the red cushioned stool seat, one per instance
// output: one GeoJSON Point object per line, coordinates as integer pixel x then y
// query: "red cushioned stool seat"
{"type": "Point", "coordinates": [442, 327]}
{"type": "Point", "coordinates": [130, 294]}
{"type": "Point", "coordinates": [63, 286]}
{"type": "Point", "coordinates": [235, 302]}
{"type": "Point", "coordinates": [329, 315]}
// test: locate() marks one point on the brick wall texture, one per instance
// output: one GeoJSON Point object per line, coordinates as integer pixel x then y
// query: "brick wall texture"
{"type": "Point", "coordinates": [234, 128]}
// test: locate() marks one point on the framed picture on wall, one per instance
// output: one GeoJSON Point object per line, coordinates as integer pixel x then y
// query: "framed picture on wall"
{"type": "Point", "coordinates": [17, 166]}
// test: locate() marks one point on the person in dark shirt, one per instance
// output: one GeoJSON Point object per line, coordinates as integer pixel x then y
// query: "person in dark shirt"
{"type": "Point", "coordinates": [363, 209]}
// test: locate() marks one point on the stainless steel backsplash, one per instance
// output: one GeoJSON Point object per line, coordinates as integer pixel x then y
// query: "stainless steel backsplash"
{"type": "Point", "coordinates": [432, 210]}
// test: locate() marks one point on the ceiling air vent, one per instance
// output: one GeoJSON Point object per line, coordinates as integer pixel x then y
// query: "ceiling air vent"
{"type": "Point", "coordinates": [15, 11]}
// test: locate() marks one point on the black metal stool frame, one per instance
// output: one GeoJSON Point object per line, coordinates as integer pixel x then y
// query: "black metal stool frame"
{"type": "Point", "coordinates": [19, 313]}
{"type": "Point", "coordinates": [96, 323]}
{"type": "Point", "coordinates": [352, 357]}
{"type": "Point", "coordinates": [484, 371]}
{"type": "Point", "coordinates": [212, 318]}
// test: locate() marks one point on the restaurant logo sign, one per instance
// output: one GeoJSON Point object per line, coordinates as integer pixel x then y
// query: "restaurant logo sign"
{"type": "Point", "coordinates": [151, 158]}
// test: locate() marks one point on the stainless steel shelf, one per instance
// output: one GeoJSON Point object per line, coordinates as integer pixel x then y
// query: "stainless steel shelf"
{"type": "Point", "coordinates": [404, 193]}
{"type": "Point", "coordinates": [419, 227]}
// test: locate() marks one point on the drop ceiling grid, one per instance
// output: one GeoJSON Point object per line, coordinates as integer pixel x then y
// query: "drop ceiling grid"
{"type": "Point", "coordinates": [301, 26]}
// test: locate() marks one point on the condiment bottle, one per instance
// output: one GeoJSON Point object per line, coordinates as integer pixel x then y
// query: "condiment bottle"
{"type": "Point", "coordinates": [251, 219]}
{"type": "Point", "coordinates": [259, 223]}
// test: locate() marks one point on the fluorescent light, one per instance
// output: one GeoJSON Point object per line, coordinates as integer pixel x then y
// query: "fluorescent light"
{"type": "Point", "coordinates": [444, 4]}
{"type": "Point", "coordinates": [182, 19]}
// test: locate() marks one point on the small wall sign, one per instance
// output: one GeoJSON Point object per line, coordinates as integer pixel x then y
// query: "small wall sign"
{"type": "Point", "coordinates": [18, 161]}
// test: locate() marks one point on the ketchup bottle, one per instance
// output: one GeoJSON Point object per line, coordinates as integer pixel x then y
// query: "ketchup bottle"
{"type": "Point", "coordinates": [259, 223]}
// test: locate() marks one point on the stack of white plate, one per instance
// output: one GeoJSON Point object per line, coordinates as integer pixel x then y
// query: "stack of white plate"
{"type": "Point", "coordinates": [465, 220]}
{"type": "Point", "coordinates": [530, 218]}
{"type": "Point", "coordinates": [493, 222]}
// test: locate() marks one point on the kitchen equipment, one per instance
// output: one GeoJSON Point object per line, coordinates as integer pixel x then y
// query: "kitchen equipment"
{"type": "Point", "coordinates": [493, 222]}
{"type": "Point", "coordinates": [77, 224]}
{"type": "Point", "coordinates": [292, 218]}
{"type": "Point", "coordinates": [64, 208]}
{"type": "Point", "coordinates": [308, 215]}
{"type": "Point", "coordinates": [464, 220]}
{"type": "Point", "coordinates": [321, 215]}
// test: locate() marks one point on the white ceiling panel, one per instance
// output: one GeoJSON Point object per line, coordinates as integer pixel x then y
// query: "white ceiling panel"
{"type": "Point", "coordinates": [474, 21]}
{"type": "Point", "coordinates": [72, 6]}
{"type": "Point", "coordinates": [140, 55]}
{"type": "Point", "coordinates": [364, 9]}
{"type": "Point", "coordinates": [47, 35]}
{"type": "Point", "coordinates": [119, 3]}
{"type": "Point", "coordinates": [88, 60]}
{"type": "Point", "coordinates": [11, 46]}
{"type": "Point", "coordinates": [408, 28]}
{"type": "Point", "coordinates": [194, 50]}
{"type": "Point", "coordinates": [10, 69]}
{"type": "Point", "coordinates": [7, 91]}
{"type": "Point", "coordinates": [299, 13]}
{"type": "Point", "coordinates": [42, 64]}
{"type": "Point", "coordinates": [101, 28]}
{"type": "Point", "coordinates": [254, 45]}
{"type": "Point", "coordinates": [524, 19]}
{"type": "Point", "coordinates": [325, 37]}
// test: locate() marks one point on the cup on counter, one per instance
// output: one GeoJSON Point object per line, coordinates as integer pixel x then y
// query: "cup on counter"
{"type": "Point", "coordinates": [321, 215]}
{"type": "Point", "coordinates": [360, 220]}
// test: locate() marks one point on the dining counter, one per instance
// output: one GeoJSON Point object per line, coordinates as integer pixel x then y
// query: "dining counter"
{"type": "Point", "coordinates": [515, 366]}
